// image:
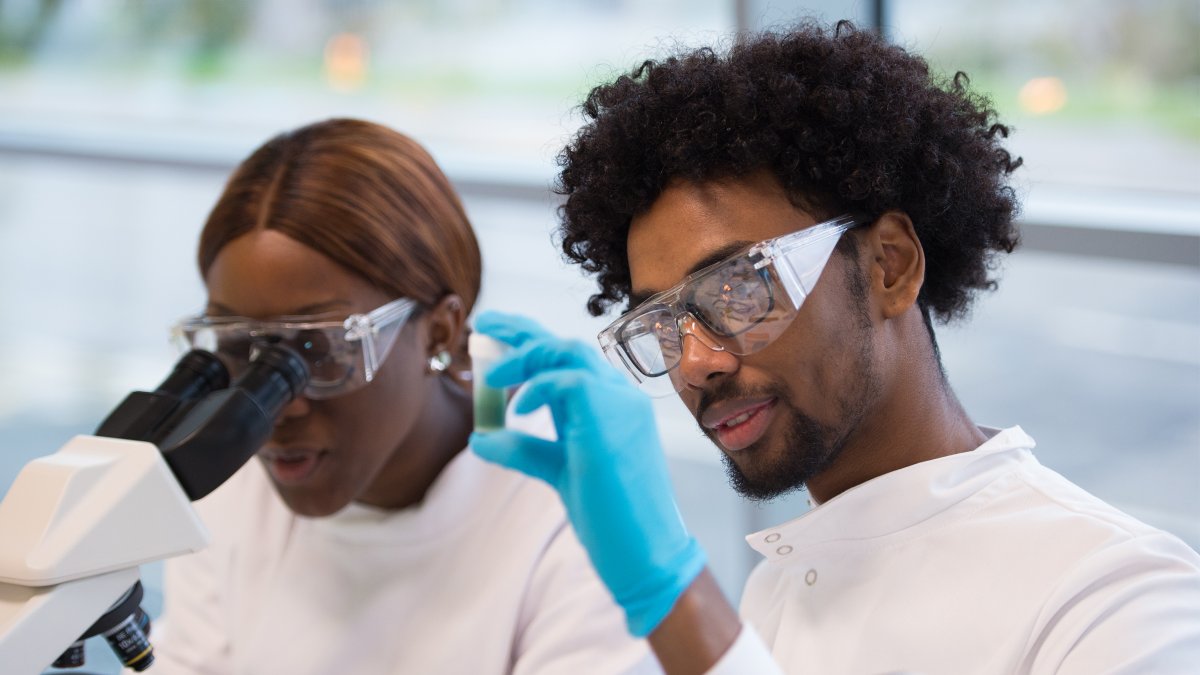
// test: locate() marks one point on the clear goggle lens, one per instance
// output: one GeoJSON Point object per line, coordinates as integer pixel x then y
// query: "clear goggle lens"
{"type": "Point", "coordinates": [341, 355]}
{"type": "Point", "coordinates": [739, 305]}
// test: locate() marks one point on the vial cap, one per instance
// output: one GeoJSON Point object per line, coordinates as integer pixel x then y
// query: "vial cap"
{"type": "Point", "coordinates": [482, 347]}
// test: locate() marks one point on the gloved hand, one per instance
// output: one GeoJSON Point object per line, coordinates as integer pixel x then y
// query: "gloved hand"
{"type": "Point", "coordinates": [607, 465]}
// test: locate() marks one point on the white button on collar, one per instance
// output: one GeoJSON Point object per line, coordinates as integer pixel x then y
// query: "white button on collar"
{"type": "Point", "coordinates": [772, 538]}
{"type": "Point", "coordinates": [811, 577]}
{"type": "Point", "coordinates": [784, 550]}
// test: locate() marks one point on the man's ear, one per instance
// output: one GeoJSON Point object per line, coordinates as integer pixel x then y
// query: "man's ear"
{"type": "Point", "coordinates": [897, 263]}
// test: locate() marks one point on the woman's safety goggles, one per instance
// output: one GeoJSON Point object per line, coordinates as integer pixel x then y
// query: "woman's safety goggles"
{"type": "Point", "coordinates": [341, 355]}
{"type": "Point", "coordinates": [740, 305]}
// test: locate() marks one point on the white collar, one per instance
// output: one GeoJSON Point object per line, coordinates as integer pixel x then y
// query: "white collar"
{"type": "Point", "coordinates": [448, 503]}
{"type": "Point", "coordinates": [901, 499]}
{"type": "Point", "coordinates": [467, 486]}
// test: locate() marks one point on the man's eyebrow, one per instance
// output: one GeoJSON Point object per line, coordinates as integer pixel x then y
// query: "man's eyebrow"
{"type": "Point", "coordinates": [641, 295]}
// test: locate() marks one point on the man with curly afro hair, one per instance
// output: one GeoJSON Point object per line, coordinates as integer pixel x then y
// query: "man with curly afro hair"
{"type": "Point", "coordinates": [783, 223]}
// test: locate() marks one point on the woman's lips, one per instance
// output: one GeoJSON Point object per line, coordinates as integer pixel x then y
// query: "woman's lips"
{"type": "Point", "coordinates": [745, 427]}
{"type": "Point", "coordinates": [293, 468]}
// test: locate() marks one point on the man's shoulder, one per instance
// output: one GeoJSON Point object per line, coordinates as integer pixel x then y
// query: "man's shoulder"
{"type": "Point", "coordinates": [1060, 536]}
{"type": "Point", "coordinates": [1043, 499]}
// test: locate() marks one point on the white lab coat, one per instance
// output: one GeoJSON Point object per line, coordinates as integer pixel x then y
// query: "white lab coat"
{"type": "Point", "coordinates": [982, 562]}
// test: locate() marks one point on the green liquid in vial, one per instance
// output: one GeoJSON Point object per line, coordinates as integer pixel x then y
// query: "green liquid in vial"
{"type": "Point", "coordinates": [489, 407]}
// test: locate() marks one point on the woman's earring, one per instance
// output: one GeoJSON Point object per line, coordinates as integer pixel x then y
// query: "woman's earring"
{"type": "Point", "coordinates": [438, 364]}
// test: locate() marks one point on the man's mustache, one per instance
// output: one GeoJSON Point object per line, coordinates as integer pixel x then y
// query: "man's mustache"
{"type": "Point", "coordinates": [729, 388]}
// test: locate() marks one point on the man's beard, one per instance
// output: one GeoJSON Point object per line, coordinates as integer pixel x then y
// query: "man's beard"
{"type": "Point", "coordinates": [811, 447]}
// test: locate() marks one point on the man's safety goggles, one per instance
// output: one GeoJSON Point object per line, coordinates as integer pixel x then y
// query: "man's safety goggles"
{"type": "Point", "coordinates": [740, 305]}
{"type": "Point", "coordinates": [341, 355]}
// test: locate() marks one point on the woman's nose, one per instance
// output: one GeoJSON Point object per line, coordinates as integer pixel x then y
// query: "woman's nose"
{"type": "Point", "coordinates": [297, 407]}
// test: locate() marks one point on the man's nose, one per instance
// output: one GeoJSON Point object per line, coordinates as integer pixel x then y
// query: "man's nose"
{"type": "Point", "coordinates": [701, 356]}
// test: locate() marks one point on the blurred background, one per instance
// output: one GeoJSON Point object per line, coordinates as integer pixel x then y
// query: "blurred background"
{"type": "Point", "coordinates": [120, 120]}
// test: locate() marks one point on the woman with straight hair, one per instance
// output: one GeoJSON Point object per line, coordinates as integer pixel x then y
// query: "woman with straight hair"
{"type": "Point", "coordinates": [363, 539]}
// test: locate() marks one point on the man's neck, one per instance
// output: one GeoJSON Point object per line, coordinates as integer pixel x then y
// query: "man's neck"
{"type": "Point", "coordinates": [918, 418]}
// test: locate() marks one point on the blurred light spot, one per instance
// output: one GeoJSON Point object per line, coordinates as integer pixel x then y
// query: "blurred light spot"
{"type": "Point", "coordinates": [1043, 95]}
{"type": "Point", "coordinates": [346, 61]}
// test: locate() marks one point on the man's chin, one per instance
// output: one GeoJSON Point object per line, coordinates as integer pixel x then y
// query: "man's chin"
{"type": "Point", "coordinates": [759, 480]}
{"type": "Point", "coordinates": [783, 460]}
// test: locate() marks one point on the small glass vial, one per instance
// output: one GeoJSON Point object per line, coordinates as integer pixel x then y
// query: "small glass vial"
{"type": "Point", "coordinates": [490, 403]}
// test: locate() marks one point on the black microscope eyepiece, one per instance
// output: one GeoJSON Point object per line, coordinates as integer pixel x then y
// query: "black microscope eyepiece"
{"type": "Point", "coordinates": [196, 374]}
{"type": "Point", "coordinates": [275, 377]}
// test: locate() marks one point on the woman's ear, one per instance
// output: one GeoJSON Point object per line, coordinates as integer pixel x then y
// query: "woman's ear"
{"type": "Point", "coordinates": [446, 326]}
{"type": "Point", "coordinates": [898, 263]}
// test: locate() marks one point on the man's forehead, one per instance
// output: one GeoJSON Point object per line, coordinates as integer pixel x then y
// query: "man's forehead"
{"type": "Point", "coordinates": [691, 226]}
{"type": "Point", "coordinates": [639, 295]}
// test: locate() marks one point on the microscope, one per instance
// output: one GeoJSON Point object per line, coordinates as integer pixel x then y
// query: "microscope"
{"type": "Point", "coordinates": [76, 525]}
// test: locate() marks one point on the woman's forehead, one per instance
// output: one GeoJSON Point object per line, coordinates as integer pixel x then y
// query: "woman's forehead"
{"type": "Point", "coordinates": [265, 273]}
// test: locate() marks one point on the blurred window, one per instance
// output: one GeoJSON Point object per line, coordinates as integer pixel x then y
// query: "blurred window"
{"type": "Point", "coordinates": [1090, 342]}
{"type": "Point", "coordinates": [497, 77]}
{"type": "Point", "coordinates": [1103, 97]}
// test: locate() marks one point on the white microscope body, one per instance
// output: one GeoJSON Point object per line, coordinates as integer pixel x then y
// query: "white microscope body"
{"type": "Point", "coordinates": [76, 525]}
{"type": "Point", "coordinates": [74, 528]}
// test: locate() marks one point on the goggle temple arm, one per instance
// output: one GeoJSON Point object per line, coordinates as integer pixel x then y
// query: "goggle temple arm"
{"type": "Point", "coordinates": [798, 267]}
{"type": "Point", "coordinates": [366, 327]}
{"type": "Point", "coordinates": [360, 328]}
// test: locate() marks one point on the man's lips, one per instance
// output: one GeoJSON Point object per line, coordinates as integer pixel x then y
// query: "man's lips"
{"type": "Point", "coordinates": [723, 412]}
{"type": "Point", "coordinates": [738, 424]}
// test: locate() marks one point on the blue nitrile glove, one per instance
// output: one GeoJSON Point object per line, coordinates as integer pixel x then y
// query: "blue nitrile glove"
{"type": "Point", "coordinates": [607, 465]}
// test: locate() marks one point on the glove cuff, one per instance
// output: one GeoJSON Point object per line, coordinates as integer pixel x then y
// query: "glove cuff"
{"type": "Point", "coordinates": [653, 601]}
